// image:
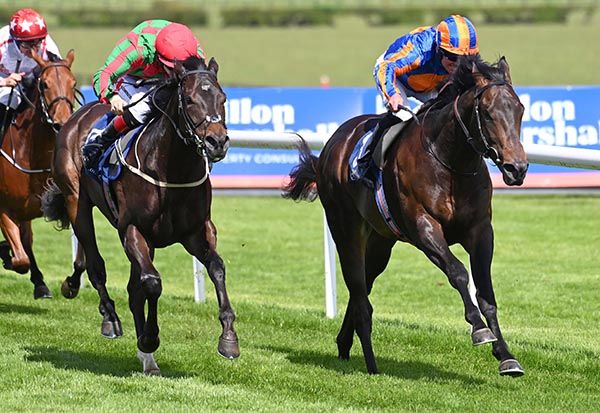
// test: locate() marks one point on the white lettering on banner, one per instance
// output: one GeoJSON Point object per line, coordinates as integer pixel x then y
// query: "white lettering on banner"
{"type": "Point", "coordinates": [276, 158]}
{"type": "Point", "coordinates": [559, 133]}
{"type": "Point", "coordinates": [243, 112]}
{"type": "Point", "coordinates": [237, 158]}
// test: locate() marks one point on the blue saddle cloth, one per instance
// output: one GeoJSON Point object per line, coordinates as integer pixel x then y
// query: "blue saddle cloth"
{"type": "Point", "coordinates": [109, 168]}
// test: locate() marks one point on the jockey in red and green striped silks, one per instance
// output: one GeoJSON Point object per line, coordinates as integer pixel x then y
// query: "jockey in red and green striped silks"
{"type": "Point", "coordinates": [418, 61]}
{"type": "Point", "coordinates": [148, 51]}
{"type": "Point", "coordinates": [135, 56]}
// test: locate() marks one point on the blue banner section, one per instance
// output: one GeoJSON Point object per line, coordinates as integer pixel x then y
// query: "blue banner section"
{"type": "Point", "coordinates": [560, 116]}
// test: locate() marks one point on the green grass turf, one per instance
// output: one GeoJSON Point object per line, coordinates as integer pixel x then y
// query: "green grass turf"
{"type": "Point", "coordinates": [538, 54]}
{"type": "Point", "coordinates": [547, 281]}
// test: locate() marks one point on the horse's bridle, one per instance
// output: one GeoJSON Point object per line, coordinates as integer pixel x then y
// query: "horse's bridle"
{"type": "Point", "coordinates": [46, 117]}
{"type": "Point", "coordinates": [47, 106]}
{"type": "Point", "coordinates": [188, 135]}
{"type": "Point", "coordinates": [481, 147]}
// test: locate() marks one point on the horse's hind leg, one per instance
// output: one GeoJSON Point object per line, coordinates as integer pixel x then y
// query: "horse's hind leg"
{"type": "Point", "coordinates": [80, 214]}
{"type": "Point", "coordinates": [70, 286]}
{"type": "Point", "coordinates": [40, 289]}
{"type": "Point", "coordinates": [377, 256]}
{"type": "Point", "coordinates": [350, 240]}
{"type": "Point", "coordinates": [481, 260]}
{"type": "Point", "coordinates": [203, 246]}
{"type": "Point", "coordinates": [144, 284]}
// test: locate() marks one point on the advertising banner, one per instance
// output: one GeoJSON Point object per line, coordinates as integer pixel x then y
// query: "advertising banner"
{"type": "Point", "coordinates": [557, 116]}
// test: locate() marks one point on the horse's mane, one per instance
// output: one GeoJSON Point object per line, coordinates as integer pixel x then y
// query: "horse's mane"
{"type": "Point", "coordinates": [52, 57]}
{"type": "Point", "coordinates": [462, 79]}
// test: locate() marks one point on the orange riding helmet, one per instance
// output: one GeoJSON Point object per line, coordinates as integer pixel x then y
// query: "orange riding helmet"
{"type": "Point", "coordinates": [456, 34]}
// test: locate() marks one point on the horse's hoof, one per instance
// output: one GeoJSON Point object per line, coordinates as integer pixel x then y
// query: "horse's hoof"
{"type": "Point", "coordinates": [148, 345]}
{"type": "Point", "coordinates": [511, 367]}
{"type": "Point", "coordinates": [483, 336]}
{"type": "Point", "coordinates": [152, 372]}
{"type": "Point", "coordinates": [111, 329]}
{"type": "Point", "coordinates": [230, 349]}
{"type": "Point", "coordinates": [41, 291]}
{"type": "Point", "coordinates": [67, 291]}
{"type": "Point", "coordinates": [149, 364]}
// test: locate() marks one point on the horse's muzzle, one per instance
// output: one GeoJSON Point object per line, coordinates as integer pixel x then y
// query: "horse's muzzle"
{"type": "Point", "coordinates": [514, 173]}
{"type": "Point", "coordinates": [216, 147]}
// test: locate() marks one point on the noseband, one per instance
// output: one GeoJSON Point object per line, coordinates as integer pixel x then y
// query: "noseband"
{"type": "Point", "coordinates": [188, 133]}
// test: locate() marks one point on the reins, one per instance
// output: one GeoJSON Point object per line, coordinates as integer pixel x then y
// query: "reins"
{"type": "Point", "coordinates": [188, 135]}
{"type": "Point", "coordinates": [487, 152]}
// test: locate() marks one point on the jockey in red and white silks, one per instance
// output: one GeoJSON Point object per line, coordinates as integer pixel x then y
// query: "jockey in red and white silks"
{"type": "Point", "coordinates": [27, 33]}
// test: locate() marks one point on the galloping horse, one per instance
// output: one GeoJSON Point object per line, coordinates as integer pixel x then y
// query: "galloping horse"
{"type": "Point", "coordinates": [25, 160]}
{"type": "Point", "coordinates": [164, 199]}
{"type": "Point", "coordinates": [438, 191]}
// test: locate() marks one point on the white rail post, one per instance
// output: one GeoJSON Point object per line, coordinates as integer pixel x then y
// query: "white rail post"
{"type": "Point", "coordinates": [330, 269]}
{"type": "Point", "coordinates": [199, 292]}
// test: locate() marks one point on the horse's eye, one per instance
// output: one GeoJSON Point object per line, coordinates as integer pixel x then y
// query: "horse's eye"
{"type": "Point", "coordinates": [188, 100]}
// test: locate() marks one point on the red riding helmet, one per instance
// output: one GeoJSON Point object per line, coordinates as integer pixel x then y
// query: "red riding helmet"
{"type": "Point", "coordinates": [27, 24]}
{"type": "Point", "coordinates": [175, 42]}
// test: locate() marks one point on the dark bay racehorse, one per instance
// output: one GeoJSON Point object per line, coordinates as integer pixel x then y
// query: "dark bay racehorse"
{"type": "Point", "coordinates": [439, 193]}
{"type": "Point", "coordinates": [162, 197]}
{"type": "Point", "coordinates": [25, 160]}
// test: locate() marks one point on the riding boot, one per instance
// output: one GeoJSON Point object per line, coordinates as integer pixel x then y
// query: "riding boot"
{"type": "Point", "coordinates": [364, 163]}
{"type": "Point", "coordinates": [94, 148]}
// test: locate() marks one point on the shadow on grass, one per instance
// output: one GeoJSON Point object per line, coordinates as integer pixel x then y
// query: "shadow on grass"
{"type": "Point", "coordinates": [21, 309]}
{"type": "Point", "coordinates": [97, 363]}
{"type": "Point", "coordinates": [408, 370]}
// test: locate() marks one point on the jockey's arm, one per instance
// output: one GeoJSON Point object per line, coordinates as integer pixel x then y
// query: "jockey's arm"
{"type": "Point", "coordinates": [118, 63]}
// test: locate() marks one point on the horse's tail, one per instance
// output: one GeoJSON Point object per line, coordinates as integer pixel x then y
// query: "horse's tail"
{"type": "Point", "coordinates": [53, 205]}
{"type": "Point", "coordinates": [303, 178]}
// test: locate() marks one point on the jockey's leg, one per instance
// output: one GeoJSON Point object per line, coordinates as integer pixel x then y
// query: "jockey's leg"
{"type": "Point", "coordinates": [94, 148]}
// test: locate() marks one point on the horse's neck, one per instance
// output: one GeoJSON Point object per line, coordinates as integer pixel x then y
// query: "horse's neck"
{"type": "Point", "coordinates": [449, 140]}
{"type": "Point", "coordinates": [167, 152]}
{"type": "Point", "coordinates": [30, 136]}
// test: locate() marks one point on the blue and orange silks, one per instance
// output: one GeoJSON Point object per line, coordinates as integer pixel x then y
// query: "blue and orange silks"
{"type": "Point", "coordinates": [413, 61]}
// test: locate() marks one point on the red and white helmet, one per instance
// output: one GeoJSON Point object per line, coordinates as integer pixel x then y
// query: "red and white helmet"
{"type": "Point", "coordinates": [175, 42]}
{"type": "Point", "coordinates": [27, 24]}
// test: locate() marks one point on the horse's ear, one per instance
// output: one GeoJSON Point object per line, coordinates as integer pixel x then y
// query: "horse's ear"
{"type": "Point", "coordinates": [503, 65]}
{"type": "Point", "coordinates": [179, 68]}
{"type": "Point", "coordinates": [41, 62]}
{"type": "Point", "coordinates": [70, 57]}
{"type": "Point", "coordinates": [480, 80]}
{"type": "Point", "coordinates": [213, 66]}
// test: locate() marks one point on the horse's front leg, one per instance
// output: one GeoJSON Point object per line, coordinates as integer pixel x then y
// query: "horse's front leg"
{"type": "Point", "coordinates": [40, 289]}
{"type": "Point", "coordinates": [430, 239]}
{"type": "Point", "coordinates": [203, 246]}
{"type": "Point", "coordinates": [19, 261]}
{"type": "Point", "coordinates": [481, 253]}
{"type": "Point", "coordinates": [144, 285]}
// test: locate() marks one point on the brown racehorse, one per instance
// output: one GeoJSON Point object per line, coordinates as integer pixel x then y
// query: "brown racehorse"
{"type": "Point", "coordinates": [438, 191]}
{"type": "Point", "coordinates": [25, 163]}
{"type": "Point", "coordinates": [163, 196]}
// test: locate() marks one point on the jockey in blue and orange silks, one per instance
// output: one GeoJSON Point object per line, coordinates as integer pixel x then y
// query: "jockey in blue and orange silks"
{"type": "Point", "coordinates": [413, 66]}
{"type": "Point", "coordinates": [417, 62]}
